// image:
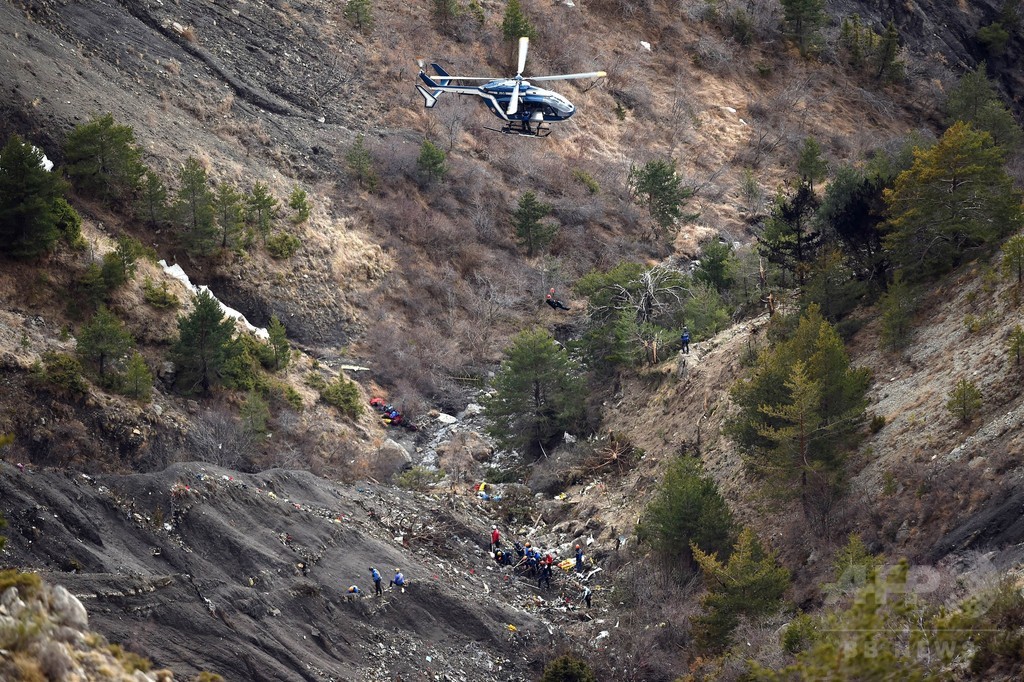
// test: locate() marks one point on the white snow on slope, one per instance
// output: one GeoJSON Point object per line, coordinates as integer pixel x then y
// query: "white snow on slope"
{"type": "Point", "coordinates": [177, 273]}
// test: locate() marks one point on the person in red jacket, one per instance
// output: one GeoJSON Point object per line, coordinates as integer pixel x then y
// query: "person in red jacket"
{"type": "Point", "coordinates": [495, 538]}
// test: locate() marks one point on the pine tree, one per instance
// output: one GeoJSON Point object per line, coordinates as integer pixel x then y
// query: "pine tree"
{"type": "Point", "coordinates": [1013, 258]}
{"type": "Point", "coordinates": [299, 202]}
{"type": "Point", "coordinates": [956, 196]}
{"type": "Point", "coordinates": [102, 340]}
{"type": "Point", "coordinates": [255, 413]}
{"type": "Point", "coordinates": [432, 162]}
{"type": "Point", "coordinates": [279, 343]}
{"type": "Point", "coordinates": [153, 199]}
{"type": "Point", "coordinates": [515, 24]}
{"type": "Point", "coordinates": [360, 164]}
{"type": "Point", "coordinates": [138, 379]}
{"type": "Point", "coordinates": [103, 159]}
{"type": "Point", "coordinates": [717, 265]}
{"type": "Point", "coordinates": [1015, 345]}
{"type": "Point", "coordinates": [119, 265]}
{"type": "Point", "coordinates": [897, 306]}
{"type": "Point", "coordinates": [359, 13]}
{"type": "Point", "coordinates": [538, 395]}
{"type": "Point", "coordinates": [261, 209]}
{"type": "Point", "coordinates": [194, 208]}
{"type": "Point", "coordinates": [790, 238]}
{"type": "Point", "coordinates": [530, 231]}
{"type": "Point", "coordinates": [751, 584]}
{"type": "Point", "coordinates": [687, 508]}
{"type": "Point", "coordinates": [811, 166]}
{"type": "Point", "coordinates": [888, 67]}
{"type": "Point", "coordinates": [659, 188]}
{"type": "Point", "coordinates": [964, 400]}
{"type": "Point", "coordinates": [804, 18]}
{"type": "Point", "coordinates": [227, 203]}
{"type": "Point", "coordinates": [204, 345]}
{"type": "Point", "coordinates": [568, 668]}
{"type": "Point", "coordinates": [90, 291]}
{"type": "Point", "coordinates": [975, 100]}
{"type": "Point", "coordinates": [28, 196]}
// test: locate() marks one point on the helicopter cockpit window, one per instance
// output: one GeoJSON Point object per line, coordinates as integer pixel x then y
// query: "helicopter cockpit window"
{"type": "Point", "coordinates": [559, 105]}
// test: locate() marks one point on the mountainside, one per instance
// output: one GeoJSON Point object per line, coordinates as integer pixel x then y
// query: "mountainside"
{"type": "Point", "coordinates": [205, 544]}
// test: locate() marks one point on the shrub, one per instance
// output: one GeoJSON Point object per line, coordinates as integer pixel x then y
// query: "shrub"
{"type": "Point", "coordinates": [418, 478]}
{"type": "Point", "coordinates": [299, 202]}
{"type": "Point", "coordinates": [283, 245]}
{"type": "Point", "coordinates": [568, 668]}
{"type": "Point", "coordinates": [344, 395]}
{"type": "Point", "coordinates": [61, 373]}
{"type": "Point", "coordinates": [798, 635]}
{"type": "Point", "coordinates": [130, 660]}
{"type": "Point", "coordinates": [27, 584]}
{"type": "Point", "coordinates": [587, 180]}
{"type": "Point", "coordinates": [158, 296]}
{"type": "Point", "coordinates": [69, 224]}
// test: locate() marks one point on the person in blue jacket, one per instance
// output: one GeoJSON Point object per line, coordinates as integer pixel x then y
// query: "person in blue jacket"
{"type": "Point", "coordinates": [375, 574]}
{"type": "Point", "coordinates": [579, 559]}
{"type": "Point", "coordinates": [685, 340]}
{"type": "Point", "coordinates": [398, 581]}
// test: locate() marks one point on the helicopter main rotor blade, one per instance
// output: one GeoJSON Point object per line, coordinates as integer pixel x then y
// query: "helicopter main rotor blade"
{"type": "Point", "coordinates": [524, 45]}
{"type": "Point", "coordinates": [569, 76]}
{"type": "Point", "coordinates": [469, 78]}
{"type": "Point", "coordinates": [513, 104]}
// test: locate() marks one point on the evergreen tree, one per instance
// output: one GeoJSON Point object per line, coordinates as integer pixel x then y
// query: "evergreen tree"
{"type": "Point", "coordinates": [823, 400]}
{"type": "Point", "coordinates": [261, 209]}
{"type": "Point", "coordinates": [204, 345]}
{"type": "Point", "coordinates": [975, 100]}
{"type": "Point", "coordinates": [299, 202]}
{"type": "Point", "coordinates": [717, 265]}
{"type": "Point", "coordinates": [359, 13]}
{"type": "Point", "coordinates": [1013, 258]}
{"type": "Point", "coordinates": [964, 400]}
{"type": "Point", "coordinates": [687, 509]}
{"type": "Point", "coordinates": [103, 159]}
{"type": "Point", "coordinates": [515, 24]}
{"type": "Point", "coordinates": [851, 212]}
{"type": "Point", "coordinates": [138, 379]}
{"type": "Point", "coordinates": [153, 199]}
{"type": "Point", "coordinates": [432, 162]}
{"type": "Point", "coordinates": [897, 306]}
{"type": "Point", "coordinates": [530, 231]}
{"type": "Point", "coordinates": [194, 208]}
{"type": "Point", "coordinates": [90, 291]}
{"type": "Point", "coordinates": [119, 265]}
{"type": "Point", "coordinates": [659, 188]}
{"type": "Point", "coordinates": [811, 166]}
{"type": "Point", "coordinates": [360, 164]}
{"type": "Point", "coordinates": [255, 413]}
{"type": "Point", "coordinates": [28, 201]}
{"type": "Point", "coordinates": [790, 238]}
{"type": "Point", "coordinates": [886, 57]}
{"type": "Point", "coordinates": [445, 13]}
{"type": "Point", "coordinates": [1015, 345]}
{"type": "Point", "coordinates": [538, 395]}
{"type": "Point", "coordinates": [832, 286]}
{"type": "Point", "coordinates": [279, 343]}
{"type": "Point", "coordinates": [956, 196]}
{"type": "Point", "coordinates": [750, 584]}
{"type": "Point", "coordinates": [102, 340]}
{"type": "Point", "coordinates": [804, 18]}
{"type": "Point", "coordinates": [227, 203]}
{"type": "Point", "coordinates": [706, 312]}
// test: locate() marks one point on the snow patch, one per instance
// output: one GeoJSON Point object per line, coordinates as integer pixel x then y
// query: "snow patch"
{"type": "Point", "coordinates": [45, 162]}
{"type": "Point", "coordinates": [177, 273]}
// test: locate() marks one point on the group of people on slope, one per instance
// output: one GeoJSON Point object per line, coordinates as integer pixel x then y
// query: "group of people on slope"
{"type": "Point", "coordinates": [398, 582]}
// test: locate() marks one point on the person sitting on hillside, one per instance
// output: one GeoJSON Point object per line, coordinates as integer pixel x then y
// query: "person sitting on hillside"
{"type": "Point", "coordinates": [398, 581]}
{"type": "Point", "coordinates": [354, 591]}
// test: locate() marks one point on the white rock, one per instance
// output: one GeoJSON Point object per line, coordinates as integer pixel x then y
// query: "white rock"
{"type": "Point", "coordinates": [446, 418]}
{"type": "Point", "coordinates": [67, 608]}
{"type": "Point", "coordinates": [646, 45]}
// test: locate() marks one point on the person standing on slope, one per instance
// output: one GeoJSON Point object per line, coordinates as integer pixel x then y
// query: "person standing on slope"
{"type": "Point", "coordinates": [685, 340]}
{"type": "Point", "coordinates": [375, 574]}
{"type": "Point", "coordinates": [495, 539]}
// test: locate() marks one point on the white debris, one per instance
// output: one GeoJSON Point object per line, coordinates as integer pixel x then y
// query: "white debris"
{"type": "Point", "coordinates": [646, 45]}
{"type": "Point", "coordinates": [177, 273]}
{"type": "Point", "coordinates": [446, 418]}
{"type": "Point", "coordinates": [729, 109]}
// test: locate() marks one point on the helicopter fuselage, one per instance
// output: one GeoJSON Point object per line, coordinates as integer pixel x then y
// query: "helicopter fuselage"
{"type": "Point", "coordinates": [535, 104]}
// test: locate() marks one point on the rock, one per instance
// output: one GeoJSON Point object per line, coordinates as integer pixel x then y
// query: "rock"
{"type": "Point", "coordinates": [166, 373]}
{"type": "Point", "coordinates": [446, 418]}
{"type": "Point", "coordinates": [67, 609]}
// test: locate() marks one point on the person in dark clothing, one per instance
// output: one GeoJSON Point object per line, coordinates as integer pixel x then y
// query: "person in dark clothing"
{"type": "Point", "coordinates": [586, 595]}
{"type": "Point", "coordinates": [685, 340]}
{"type": "Point", "coordinates": [556, 303]}
{"type": "Point", "coordinates": [375, 574]}
{"type": "Point", "coordinates": [579, 559]}
{"type": "Point", "coordinates": [545, 576]}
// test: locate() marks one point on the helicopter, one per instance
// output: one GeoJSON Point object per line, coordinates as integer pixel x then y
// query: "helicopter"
{"type": "Point", "coordinates": [526, 109]}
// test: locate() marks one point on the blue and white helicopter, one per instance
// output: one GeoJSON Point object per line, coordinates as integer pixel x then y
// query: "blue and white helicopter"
{"type": "Point", "coordinates": [525, 108]}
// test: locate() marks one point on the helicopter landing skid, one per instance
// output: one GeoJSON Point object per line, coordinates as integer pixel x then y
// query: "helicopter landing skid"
{"type": "Point", "coordinates": [524, 129]}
